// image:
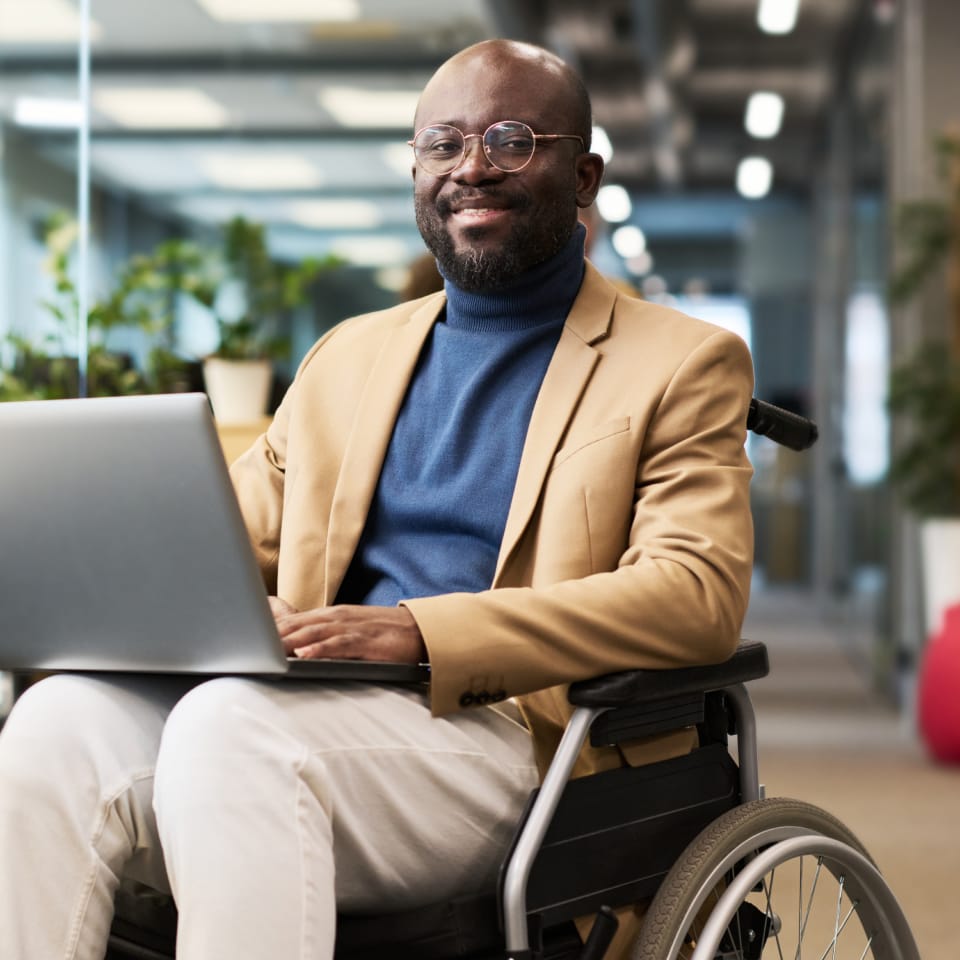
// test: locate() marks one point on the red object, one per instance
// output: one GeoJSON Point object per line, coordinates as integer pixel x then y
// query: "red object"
{"type": "Point", "coordinates": [938, 693]}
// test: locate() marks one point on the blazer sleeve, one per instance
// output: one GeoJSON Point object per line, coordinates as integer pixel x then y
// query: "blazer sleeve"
{"type": "Point", "coordinates": [678, 594]}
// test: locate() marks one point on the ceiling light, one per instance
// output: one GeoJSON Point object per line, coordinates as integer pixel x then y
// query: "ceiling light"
{"type": "Point", "coordinates": [754, 177]}
{"type": "Point", "coordinates": [614, 204]}
{"type": "Point", "coordinates": [600, 143]}
{"type": "Point", "coordinates": [764, 115]}
{"type": "Point", "coordinates": [629, 242]}
{"type": "Point", "coordinates": [169, 108]}
{"type": "Point", "coordinates": [47, 112]}
{"type": "Point", "coordinates": [777, 16]}
{"type": "Point", "coordinates": [360, 107]}
{"type": "Point", "coordinates": [272, 11]}
{"type": "Point", "coordinates": [41, 21]}
{"type": "Point", "coordinates": [260, 171]}
{"type": "Point", "coordinates": [334, 214]}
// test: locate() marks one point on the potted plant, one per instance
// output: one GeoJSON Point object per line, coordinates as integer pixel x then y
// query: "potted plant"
{"type": "Point", "coordinates": [925, 389]}
{"type": "Point", "coordinates": [255, 298]}
{"type": "Point", "coordinates": [248, 293]}
{"type": "Point", "coordinates": [143, 299]}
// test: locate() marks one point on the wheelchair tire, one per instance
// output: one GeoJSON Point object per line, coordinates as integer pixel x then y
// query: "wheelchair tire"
{"type": "Point", "coordinates": [811, 890]}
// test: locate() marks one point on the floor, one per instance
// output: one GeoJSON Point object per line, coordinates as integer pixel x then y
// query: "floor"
{"type": "Point", "coordinates": [826, 737]}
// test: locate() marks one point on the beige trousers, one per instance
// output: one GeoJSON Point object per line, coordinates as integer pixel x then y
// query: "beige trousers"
{"type": "Point", "coordinates": [262, 806]}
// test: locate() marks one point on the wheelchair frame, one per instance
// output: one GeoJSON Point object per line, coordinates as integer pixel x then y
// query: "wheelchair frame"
{"type": "Point", "coordinates": [714, 853]}
{"type": "Point", "coordinates": [534, 903]}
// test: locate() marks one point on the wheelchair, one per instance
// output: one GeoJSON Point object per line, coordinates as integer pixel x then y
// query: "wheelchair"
{"type": "Point", "coordinates": [727, 874]}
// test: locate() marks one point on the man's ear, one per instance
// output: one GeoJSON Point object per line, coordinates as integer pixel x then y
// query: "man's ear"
{"type": "Point", "coordinates": [589, 175]}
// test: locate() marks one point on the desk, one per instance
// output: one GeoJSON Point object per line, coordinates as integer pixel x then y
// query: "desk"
{"type": "Point", "coordinates": [235, 438]}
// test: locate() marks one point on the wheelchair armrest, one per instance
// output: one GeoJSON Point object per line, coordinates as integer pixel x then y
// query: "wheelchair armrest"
{"type": "Point", "coordinates": [749, 662]}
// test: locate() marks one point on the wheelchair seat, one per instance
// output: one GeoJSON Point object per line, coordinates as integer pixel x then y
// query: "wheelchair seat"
{"type": "Point", "coordinates": [597, 826]}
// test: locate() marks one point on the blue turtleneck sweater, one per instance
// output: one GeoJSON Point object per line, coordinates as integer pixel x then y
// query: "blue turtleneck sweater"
{"type": "Point", "coordinates": [441, 504]}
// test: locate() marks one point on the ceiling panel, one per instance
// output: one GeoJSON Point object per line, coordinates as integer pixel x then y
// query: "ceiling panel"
{"type": "Point", "coordinates": [669, 80]}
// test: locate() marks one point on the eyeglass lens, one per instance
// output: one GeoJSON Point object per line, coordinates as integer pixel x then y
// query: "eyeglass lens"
{"type": "Point", "coordinates": [508, 145]}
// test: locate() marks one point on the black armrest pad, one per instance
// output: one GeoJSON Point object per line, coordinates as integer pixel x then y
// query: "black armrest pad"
{"type": "Point", "coordinates": [749, 662]}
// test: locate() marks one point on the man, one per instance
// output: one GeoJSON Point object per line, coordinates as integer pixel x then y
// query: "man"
{"type": "Point", "coordinates": [526, 480]}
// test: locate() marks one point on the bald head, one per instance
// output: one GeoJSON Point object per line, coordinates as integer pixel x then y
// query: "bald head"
{"type": "Point", "coordinates": [488, 223]}
{"type": "Point", "coordinates": [523, 66]}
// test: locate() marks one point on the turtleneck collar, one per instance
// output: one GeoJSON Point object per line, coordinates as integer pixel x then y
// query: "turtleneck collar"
{"type": "Point", "coordinates": [542, 294]}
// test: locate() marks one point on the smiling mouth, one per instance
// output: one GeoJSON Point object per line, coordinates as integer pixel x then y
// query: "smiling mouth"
{"type": "Point", "coordinates": [479, 213]}
{"type": "Point", "coordinates": [477, 205]}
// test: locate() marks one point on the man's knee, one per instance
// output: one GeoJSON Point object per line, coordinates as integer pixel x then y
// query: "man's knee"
{"type": "Point", "coordinates": [211, 718]}
{"type": "Point", "coordinates": [220, 729]}
{"type": "Point", "coordinates": [52, 723]}
{"type": "Point", "coordinates": [226, 744]}
{"type": "Point", "coordinates": [67, 745]}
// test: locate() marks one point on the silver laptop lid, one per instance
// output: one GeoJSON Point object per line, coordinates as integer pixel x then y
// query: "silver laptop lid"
{"type": "Point", "coordinates": [121, 542]}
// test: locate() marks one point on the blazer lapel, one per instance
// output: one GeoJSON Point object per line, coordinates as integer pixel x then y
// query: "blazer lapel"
{"type": "Point", "coordinates": [566, 377]}
{"type": "Point", "coordinates": [366, 448]}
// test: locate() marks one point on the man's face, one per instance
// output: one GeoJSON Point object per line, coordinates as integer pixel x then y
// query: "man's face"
{"type": "Point", "coordinates": [484, 226]}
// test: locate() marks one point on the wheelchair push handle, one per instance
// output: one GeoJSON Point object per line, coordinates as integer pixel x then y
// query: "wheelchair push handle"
{"type": "Point", "coordinates": [782, 426]}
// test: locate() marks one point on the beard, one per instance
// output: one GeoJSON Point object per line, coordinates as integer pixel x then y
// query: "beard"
{"type": "Point", "coordinates": [480, 269]}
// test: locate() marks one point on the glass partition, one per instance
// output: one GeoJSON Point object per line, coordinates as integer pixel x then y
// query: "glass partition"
{"type": "Point", "coordinates": [39, 120]}
{"type": "Point", "coordinates": [250, 184]}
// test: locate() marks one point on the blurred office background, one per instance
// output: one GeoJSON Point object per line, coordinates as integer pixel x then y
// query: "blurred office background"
{"type": "Point", "coordinates": [756, 153]}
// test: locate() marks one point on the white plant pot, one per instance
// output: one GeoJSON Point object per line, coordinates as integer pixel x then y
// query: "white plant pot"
{"type": "Point", "coordinates": [940, 551]}
{"type": "Point", "coordinates": [239, 390]}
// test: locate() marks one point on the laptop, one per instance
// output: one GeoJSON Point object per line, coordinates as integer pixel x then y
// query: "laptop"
{"type": "Point", "coordinates": [122, 548]}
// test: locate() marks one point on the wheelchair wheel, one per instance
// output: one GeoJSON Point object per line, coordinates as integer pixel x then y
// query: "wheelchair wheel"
{"type": "Point", "coordinates": [775, 879]}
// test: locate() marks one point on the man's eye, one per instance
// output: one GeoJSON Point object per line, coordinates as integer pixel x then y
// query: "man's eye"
{"type": "Point", "coordinates": [516, 145]}
{"type": "Point", "coordinates": [443, 148]}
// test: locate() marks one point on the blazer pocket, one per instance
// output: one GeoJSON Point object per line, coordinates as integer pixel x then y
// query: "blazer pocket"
{"type": "Point", "coordinates": [578, 442]}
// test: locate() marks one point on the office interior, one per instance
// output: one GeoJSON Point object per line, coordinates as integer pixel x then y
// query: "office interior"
{"type": "Point", "coordinates": [757, 157]}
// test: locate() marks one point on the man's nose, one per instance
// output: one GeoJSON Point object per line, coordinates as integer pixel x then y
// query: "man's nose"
{"type": "Point", "coordinates": [475, 164]}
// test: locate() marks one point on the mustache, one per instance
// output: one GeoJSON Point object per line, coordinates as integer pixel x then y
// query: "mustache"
{"type": "Point", "coordinates": [501, 198]}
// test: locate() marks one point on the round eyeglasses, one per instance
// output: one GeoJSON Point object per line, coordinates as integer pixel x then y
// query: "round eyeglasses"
{"type": "Point", "coordinates": [507, 145]}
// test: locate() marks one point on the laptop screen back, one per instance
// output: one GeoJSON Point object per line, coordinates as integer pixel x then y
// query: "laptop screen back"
{"type": "Point", "coordinates": [121, 542]}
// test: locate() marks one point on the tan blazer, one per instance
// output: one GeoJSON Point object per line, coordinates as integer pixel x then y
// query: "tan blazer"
{"type": "Point", "coordinates": [628, 541]}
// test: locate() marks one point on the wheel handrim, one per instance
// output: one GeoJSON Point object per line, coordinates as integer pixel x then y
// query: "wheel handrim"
{"type": "Point", "coordinates": [809, 871]}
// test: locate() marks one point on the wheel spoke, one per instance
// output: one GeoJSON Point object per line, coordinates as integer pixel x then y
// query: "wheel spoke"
{"type": "Point", "coordinates": [739, 940]}
{"type": "Point", "coordinates": [800, 906]}
{"type": "Point", "coordinates": [769, 908]}
{"type": "Point", "coordinates": [840, 928]}
{"type": "Point", "coordinates": [836, 922]}
{"type": "Point", "coordinates": [806, 917]}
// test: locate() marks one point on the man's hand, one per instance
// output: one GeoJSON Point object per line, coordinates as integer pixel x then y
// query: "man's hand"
{"type": "Point", "coordinates": [349, 632]}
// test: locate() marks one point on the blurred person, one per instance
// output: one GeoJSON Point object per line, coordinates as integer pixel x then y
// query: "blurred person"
{"type": "Point", "coordinates": [423, 277]}
{"type": "Point", "coordinates": [526, 480]}
{"type": "Point", "coordinates": [595, 227]}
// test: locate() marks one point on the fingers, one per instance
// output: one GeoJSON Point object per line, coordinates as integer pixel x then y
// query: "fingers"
{"type": "Point", "coordinates": [280, 608]}
{"type": "Point", "coordinates": [340, 647]}
{"type": "Point", "coordinates": [353, 632]}
{"type": "Point", "coordinates": [311, 626]}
